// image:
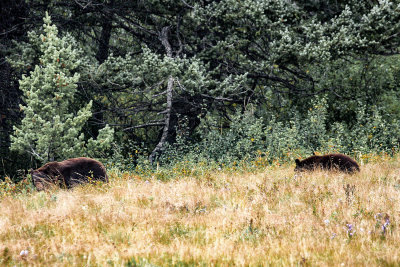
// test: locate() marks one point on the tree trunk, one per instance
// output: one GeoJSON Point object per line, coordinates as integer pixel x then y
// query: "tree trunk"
{"type": "Point", "coordinates": [104, 42]}
{"type": "Point", "coordinates": [167, 125]}
{"type": "Point", "coordinates": [102, 53]}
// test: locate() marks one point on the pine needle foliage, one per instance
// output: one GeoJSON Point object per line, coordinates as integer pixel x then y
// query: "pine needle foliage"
{"type": "Point", "coordinates": [50, 129]}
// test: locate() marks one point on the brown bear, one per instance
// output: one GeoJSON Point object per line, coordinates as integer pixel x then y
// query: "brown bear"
{"type": "Point", "coordinates": [68, 173]}
{"type": "Point", "coordinates": [328, 162]}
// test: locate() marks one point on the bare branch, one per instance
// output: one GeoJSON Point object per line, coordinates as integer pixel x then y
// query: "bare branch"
{"type": "Point", "coordinates": [34, 153]}
{"type": "Point", "coordinates": [160, 146]}
{"type": "Point", "coordinates": [82, 5]}
{"type": "Point", "coordinates": [151, 124]}
{"type": "Point", "coordinates": [187, 5]}
{"type": "Point", "coordinates": [179, 18]}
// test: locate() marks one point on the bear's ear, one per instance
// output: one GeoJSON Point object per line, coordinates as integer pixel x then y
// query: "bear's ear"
{"type": "Point", "coordinates": [297, 161]}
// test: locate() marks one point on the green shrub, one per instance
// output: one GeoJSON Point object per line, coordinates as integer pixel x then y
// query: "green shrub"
{"type": "Point", "coordinates": [248, 136]}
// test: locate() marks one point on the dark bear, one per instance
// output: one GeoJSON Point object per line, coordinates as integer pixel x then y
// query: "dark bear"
{"type": "Point", "coordinates": [68, 173]}
{"type": "Point", "coordinates": [328, 162]}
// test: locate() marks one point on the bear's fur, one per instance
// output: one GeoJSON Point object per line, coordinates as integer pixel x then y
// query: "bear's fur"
{"type": "Point", "coordinates": [328, 162]}
{"type": "Point", "coordinates": [68, 173]}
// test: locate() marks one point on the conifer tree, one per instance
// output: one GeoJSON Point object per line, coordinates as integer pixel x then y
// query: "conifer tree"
{"type": "Point", "coordinates": [51, 130]}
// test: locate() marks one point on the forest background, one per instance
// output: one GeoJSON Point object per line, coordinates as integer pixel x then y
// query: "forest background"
{"type": "Point", "coordinates": [141, 84]}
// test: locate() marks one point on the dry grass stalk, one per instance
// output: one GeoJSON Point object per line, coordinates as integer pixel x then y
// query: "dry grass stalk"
{"type": "Point", "coordinates": [271, 217]}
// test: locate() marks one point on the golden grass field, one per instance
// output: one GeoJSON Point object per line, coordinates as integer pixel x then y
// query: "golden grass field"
{"type": "Point", "coordinates": [224, 218]}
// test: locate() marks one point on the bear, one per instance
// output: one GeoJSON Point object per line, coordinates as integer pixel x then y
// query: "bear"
{"type": "Point", "coordinates": [338, 162]}
{"type": "Point", "coordinates": [68, 173]}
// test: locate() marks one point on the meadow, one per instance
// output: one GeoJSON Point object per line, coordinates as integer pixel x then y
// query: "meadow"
{"type": "Point", "coordinates": [226, 217]}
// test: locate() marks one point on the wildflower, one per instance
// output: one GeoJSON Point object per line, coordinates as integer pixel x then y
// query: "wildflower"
{"type": "Point", "coordinates": [385, 225]}
{"type": "Point", "coordinates": [333, 235]}
{"type": "Point", "coordinates": [350, 230]}
{"type": "Point", "coordinates": [24, 253]}
{"type": "Point", "coordinates": [326, 221]}
{"type": "Point", "coordinates": [339, 202]}
{"type": "Point", "coordinates": [201, 210]}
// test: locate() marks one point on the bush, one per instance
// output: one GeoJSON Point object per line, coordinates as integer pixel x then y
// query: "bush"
{"type": "Point", "coordinates": [248, 137]}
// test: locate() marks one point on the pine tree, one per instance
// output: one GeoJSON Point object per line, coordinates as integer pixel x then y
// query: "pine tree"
{"type": "Point", "coordinates": [51, 129]}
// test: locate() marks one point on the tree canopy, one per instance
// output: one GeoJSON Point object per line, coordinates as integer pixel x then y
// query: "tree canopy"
{"type": "Point", "coordinates": [159, 71]}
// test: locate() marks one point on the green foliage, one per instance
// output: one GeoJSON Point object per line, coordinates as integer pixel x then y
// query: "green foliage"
{"type": "Point", "coordinates": [248, 137]}
{"type": "Point", "coordinates": [313, 128]}
{"type": "Point", "coordinates": [251, 79]}
{"type": "Point", "coordinates": [220, 143]}
{"type": "Point", "coordinates": [282, 139]}
{"type": "Point", "coordinates": [373, 133]}
{"type": "Point", "coordinates": [50, 129]}
{"type": "Point", "coordinates": [9, 188]}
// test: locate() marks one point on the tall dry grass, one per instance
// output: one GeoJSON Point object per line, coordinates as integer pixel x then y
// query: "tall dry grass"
{"type": "Point", "coordinates": [268, 218]}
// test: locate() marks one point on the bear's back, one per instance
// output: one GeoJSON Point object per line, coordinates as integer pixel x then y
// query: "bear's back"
{"type": "Point", "coordinates": [78, 170]}
{"type": "Point", "coordinates": [339, 161]}
{"type": "Point", "coordinates": [328, 162]}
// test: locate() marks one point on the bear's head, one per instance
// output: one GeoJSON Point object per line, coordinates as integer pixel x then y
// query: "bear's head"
{"type": "Point", "coordinates": [299, 166]}
{"type": "Point", "coordinates": [40, 180]}
{"type": "Point", "coordinates": [304, 165]}
{"type": "Point", "coordinates": [44, 177]}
